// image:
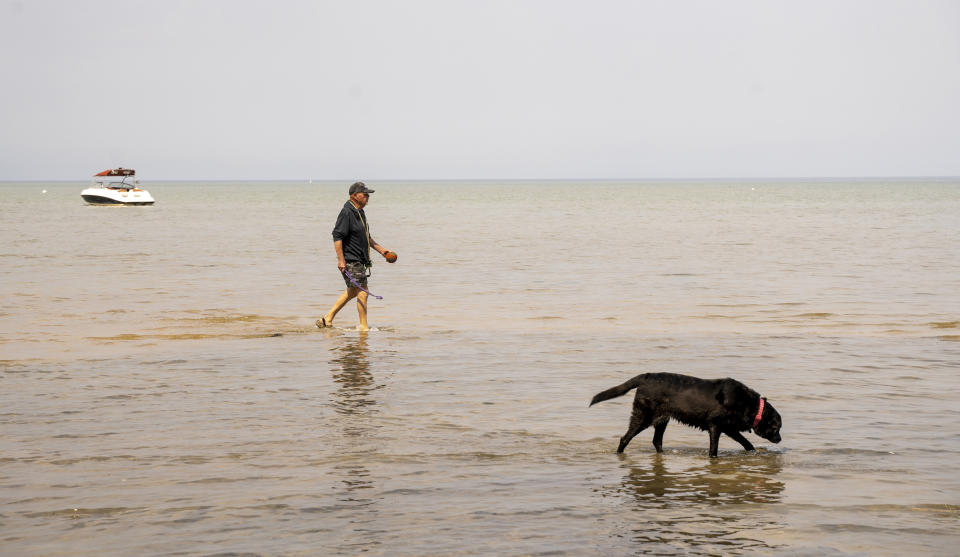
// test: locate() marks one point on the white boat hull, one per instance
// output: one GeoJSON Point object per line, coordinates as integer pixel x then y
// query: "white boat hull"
{"type": "Point", "coordinates": [116, 196]}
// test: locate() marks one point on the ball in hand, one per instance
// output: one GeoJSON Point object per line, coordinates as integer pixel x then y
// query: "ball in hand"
{"type": "Point", "coordinates": [390, 256]}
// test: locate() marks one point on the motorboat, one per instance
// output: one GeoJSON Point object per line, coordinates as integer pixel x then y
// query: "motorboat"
{"type": "Point", "coordinates": [117, 186]}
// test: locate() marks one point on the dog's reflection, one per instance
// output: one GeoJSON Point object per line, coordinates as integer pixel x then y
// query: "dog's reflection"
{"type": "Point", "coordinates": [688, 509]}
{"type": "Point", "coordinates": [747, 479]}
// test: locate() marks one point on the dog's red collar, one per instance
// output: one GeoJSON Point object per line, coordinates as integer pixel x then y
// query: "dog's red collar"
{"type": "Point", "coordinates": [759, 413]}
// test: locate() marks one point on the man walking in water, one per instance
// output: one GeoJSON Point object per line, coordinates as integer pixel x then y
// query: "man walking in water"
{"type": "Point", "coordinates": [352, 242]}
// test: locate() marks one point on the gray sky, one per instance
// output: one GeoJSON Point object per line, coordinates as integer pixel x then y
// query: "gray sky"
{"type": "Point", "coordinates": [424, 89]}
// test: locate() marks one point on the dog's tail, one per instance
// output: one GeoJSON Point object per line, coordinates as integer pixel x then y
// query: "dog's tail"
{"type": "Point", "coordinates": [619, 390]}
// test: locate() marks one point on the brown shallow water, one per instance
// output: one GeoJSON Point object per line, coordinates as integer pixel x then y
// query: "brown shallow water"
{"type": "Point", "coordinates": [163, 391]}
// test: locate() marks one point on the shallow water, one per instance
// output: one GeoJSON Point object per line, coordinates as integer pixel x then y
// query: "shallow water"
{"type": "Point", "coordinates": [163, 389]}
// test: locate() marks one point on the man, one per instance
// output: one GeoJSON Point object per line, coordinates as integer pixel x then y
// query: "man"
{"type": "Point", "coordinates": [352, 242]}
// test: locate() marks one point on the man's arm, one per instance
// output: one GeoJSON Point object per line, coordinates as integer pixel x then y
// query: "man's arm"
{"type": "Point", "coordinates": [341, 262]}
{"type": "Point", "coordinates": [373, 244]}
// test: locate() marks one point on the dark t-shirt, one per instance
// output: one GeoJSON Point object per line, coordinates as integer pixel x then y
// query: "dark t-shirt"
{"type": "Point", "coordinates": [350, 230]}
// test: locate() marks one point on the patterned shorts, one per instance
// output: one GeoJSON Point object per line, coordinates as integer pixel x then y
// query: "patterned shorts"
{"type": "Point", "coordinates": [359, 273]}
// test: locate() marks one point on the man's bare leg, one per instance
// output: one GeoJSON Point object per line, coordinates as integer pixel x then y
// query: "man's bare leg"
{"type": "Point", "coordinates": [348, 294]}
{"type": "Point", "coordinates": [362, 310]}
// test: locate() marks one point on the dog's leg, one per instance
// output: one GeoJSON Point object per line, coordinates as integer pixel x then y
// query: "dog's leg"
{"type": "Point", "coordinates": [735, 435]}
{"type": "Point", "coordinates": [659, 428]}
{"type": "Point", "coordinates": [639, 421]}
{"type": "Point", "coordinates": [714, 440]}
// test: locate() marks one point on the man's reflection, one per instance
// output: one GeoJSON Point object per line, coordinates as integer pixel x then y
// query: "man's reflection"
{"type": "Point", "coordinates": [358, 496]}
{"type": "Point", "coordinates": [356, 383]}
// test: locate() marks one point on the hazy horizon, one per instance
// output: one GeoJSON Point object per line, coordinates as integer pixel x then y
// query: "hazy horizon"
{"type": "Point", "coordinates": [693, 179]}
{"type": "Point", "coordinates": [431, 89]}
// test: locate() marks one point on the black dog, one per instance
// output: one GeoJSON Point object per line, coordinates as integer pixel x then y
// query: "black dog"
{"type": "Point", "coordinates": [715, 405]}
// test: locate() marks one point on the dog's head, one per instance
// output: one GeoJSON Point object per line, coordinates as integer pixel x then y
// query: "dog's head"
{"type": "Point", "coordinates": [770, 422]}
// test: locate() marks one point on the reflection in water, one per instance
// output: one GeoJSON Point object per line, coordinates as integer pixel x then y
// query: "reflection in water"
{"type": "Point", "coordinates": [717, 482]}
{"type": "Point", "coordinates": [714, 507]}
{"type": "Point", "coordinates": [355, 395]}
{"type": "Point", "coordinates": [353, 400]}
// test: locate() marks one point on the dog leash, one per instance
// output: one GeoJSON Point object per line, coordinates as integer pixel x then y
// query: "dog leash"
{"type": "Point", "coordinates": [349, 276]}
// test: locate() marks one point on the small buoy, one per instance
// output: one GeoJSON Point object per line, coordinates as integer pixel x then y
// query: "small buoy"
{"type": "Point", "coordinates": [44, 191]}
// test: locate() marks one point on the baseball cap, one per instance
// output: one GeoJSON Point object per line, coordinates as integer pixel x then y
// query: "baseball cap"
{"type": "Point", "coordinates": [359, 187]}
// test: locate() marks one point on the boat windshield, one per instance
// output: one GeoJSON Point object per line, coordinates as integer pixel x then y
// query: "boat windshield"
{"type": "Point", "coordinates": [115, 182]}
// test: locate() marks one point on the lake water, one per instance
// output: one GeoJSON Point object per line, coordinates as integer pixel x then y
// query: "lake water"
{"type": "Point", "coordinates": [163, 390]}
